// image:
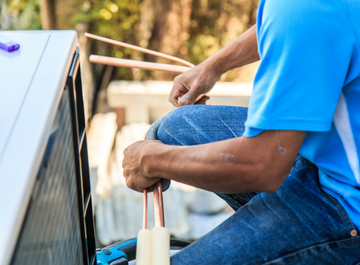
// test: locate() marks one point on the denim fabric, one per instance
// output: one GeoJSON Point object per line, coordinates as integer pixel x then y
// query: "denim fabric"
{"type": "Point", "coordinates": [198, 124]}
{"type": "Point", "coordinates": [298, 224]}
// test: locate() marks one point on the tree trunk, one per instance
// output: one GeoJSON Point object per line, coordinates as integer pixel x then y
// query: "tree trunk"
{"type": "Point", "coordinates": [252, 13]}
{"type": "Point", "coordinates": [47, 14]}
{"type": "Point", "coordinates": [170, 31]}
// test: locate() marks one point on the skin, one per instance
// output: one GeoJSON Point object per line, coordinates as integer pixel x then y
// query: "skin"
{"type": "Point", "coordinates": [243, 164]}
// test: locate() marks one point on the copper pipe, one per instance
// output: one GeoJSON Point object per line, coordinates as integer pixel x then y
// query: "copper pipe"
{"type": "Point", "coordinates": [161, 207]}
{"type": "Point", "coordinates": [145, 209]}
{"type": "Point", "coordinates": [158, 206]}
{"type": "Point", "coordinates": [138, 64]}
{"type": "Point", "coordinates": [137, 48]}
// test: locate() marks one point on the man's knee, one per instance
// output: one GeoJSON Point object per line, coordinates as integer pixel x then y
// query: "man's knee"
{"type": "Point", "coordinates": [177, 124]}
{"type": "Point", "coordinates": [170, 125]}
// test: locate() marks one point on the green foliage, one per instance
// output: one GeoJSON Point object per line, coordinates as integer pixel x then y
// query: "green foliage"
{"type": "Point", "coordinates": [114, 19]}
{"type": "Point", "coordinates": [20, 14]}
{"type": "Point", "coordinates": [213, 24]}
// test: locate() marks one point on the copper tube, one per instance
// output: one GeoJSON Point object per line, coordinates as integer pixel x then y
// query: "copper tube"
{"type": "Point", "coordinates": [161, 207]}
{"type": "Point", "coordinates": [138, 64]}
{"type": "Point", "coordinates": [137, 48]}
{"type": "Point", "coordinates": [145, 209]}
{"type": "Point", "coordinates": [158, 206]}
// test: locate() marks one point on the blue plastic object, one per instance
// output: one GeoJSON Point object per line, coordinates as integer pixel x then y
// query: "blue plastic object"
{"type": "Point", "coordinates": [113, 255]}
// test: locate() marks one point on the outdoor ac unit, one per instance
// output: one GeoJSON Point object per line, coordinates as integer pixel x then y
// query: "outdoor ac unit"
{"type": "Point", "coordinates": [45, 199]}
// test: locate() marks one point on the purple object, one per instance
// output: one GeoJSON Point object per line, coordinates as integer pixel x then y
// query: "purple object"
{"type": "Point", "coordinates": [8, 45]}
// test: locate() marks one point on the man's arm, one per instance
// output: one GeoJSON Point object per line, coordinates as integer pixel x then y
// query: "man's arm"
{"type": "Point", "coordinates": [231, 166]}
{"type": "Point", "coordinates": [202, 78]}
{"type": "Point", "coordinates": [236, 165]}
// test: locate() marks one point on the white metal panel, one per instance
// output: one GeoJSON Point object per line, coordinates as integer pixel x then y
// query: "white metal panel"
{"type": "Point", "coordinates": [26, 143]}
{"type": "Point", "coordinates": [16, 72]}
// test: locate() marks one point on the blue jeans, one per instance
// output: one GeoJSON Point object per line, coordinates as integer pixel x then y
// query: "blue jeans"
{"type": "Point", "coordinates": [298, 224]}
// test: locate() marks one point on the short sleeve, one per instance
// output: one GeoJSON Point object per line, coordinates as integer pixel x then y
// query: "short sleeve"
{"type": "Point", "coordinates": [305, 49]}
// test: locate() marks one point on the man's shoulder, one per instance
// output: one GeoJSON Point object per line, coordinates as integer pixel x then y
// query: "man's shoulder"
{"type": "Point", "coordinates": [302, 10]}
{"type": "Point", "coordinates": [307, 5]}
{"type": "Point", "coordinates": [305, 19]}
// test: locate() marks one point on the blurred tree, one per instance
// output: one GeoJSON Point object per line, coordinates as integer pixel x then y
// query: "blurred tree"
{"type": "Point", "coordinates": [216, 23]}
{"type": "Point", "coordinates": [170, 30]}
{"type": "Point", "coordinates": [190, 29]}
{"type": "Point", "coordinates": [47, 13]}
{"type": "Point", "coordinates": [19, 14]}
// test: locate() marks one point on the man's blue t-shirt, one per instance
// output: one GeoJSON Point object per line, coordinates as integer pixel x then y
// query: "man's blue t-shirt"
{"type": "Point", "coordinates": [309, 80]}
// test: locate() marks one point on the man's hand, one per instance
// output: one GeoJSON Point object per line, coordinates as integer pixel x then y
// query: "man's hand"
{"type": "Point", "coordinates": [193, 83]}
{"type": "Point", "coordinates": [201, 79]}
{"type": "Point", "coordinates": [135, 163]}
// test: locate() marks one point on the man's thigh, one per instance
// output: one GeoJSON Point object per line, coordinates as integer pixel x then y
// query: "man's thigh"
{"type": "Point", "coordinates": [298, 224]}
{"type": "Point", "coordinates": [201, 124]}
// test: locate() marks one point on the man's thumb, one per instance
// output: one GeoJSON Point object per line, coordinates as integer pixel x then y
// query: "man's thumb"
{"type": "Point", "coordinates": [187, 99]}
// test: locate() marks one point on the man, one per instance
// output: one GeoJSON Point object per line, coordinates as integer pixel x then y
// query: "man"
{"type": "Point", "coordinates": [290, 209]}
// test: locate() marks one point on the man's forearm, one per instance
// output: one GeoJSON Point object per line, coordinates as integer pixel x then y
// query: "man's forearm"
{"type": "Point", "coordinates": [241, 51]}
{"type": "Point", "coordinates": [211, 167]}
{"type": "Point", "coordinates": [231, 166]}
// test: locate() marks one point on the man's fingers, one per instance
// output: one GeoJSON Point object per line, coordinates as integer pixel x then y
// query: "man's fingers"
{"type": "Point", "coordinates": [187, 99]}
{"type": "Point", "coordinates": [173, 100]}
{"type": "Point", "coordinates": [179, 89]}
{"type": "Point", "coordinates": [175, 92]}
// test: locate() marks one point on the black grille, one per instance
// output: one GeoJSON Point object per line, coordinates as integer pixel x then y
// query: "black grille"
{"type": "Point", "coordinates": [58, 227]}
{"type": "Point", "coordinates": [51, 229]}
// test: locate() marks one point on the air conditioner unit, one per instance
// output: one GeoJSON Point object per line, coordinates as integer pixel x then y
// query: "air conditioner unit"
{"type": "Point", "coordinates": [45, 199]}
{"type": "Point", "coordinates": [46, 215]}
